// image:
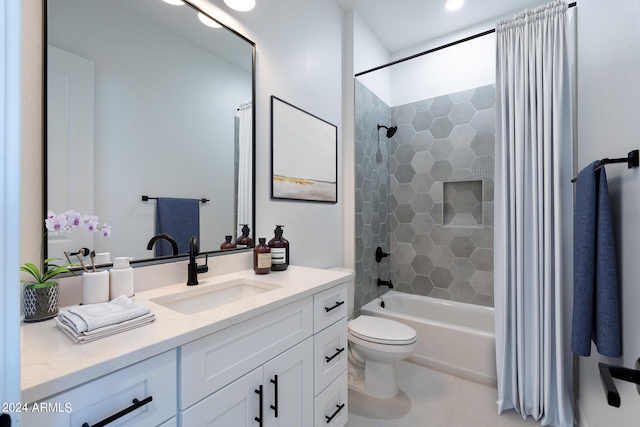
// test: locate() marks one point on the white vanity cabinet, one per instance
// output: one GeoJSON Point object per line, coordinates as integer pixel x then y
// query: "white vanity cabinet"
{"type": "Point", "coordinates": [151, 382]}
{"type": "Point", "coordinates": [330, 357]}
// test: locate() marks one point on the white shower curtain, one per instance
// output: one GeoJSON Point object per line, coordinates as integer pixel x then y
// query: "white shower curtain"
{"type": "Point", "coordinates": [245, 171]}
{"type": "Point", "coordinates": [533, 208]}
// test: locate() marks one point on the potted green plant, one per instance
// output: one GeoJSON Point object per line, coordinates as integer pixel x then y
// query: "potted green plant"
{"type": "Point", "coordinates": [41, 291]}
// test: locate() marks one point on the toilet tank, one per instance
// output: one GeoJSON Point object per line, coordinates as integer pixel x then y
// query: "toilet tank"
{"type": "Point", "coordinates": [351, 289]}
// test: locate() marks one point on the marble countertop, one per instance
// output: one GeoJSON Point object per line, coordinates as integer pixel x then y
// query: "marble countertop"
{"type": "Point", "coordinates": [52, 363]}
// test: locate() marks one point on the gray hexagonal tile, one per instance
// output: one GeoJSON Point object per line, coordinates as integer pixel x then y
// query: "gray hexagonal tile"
{"type": "Point", "coordinates": [441, 277]}
{"type": "Point", "coordinates": [422, 182]}
{"type": "Point", "coordinates": [422, 285]}
{"type": "Point", "coordinates": [422, 121]}
{"type": "Point", "coordinates": [462, 269]}
{"type": "Point", "coordinates": [441, 293]}
{"type": "Point", "coordinates": [462, 96]}
{"type": "Point", "coordinates": [422, 265]}
{"type": "Point", "coordinates": [404, 174]}
{"type": "Point", "coordinates": [404, 233]}
{"type": "Point", "coordinates": [485, 300]}
{"type": "Point", "coordinates": [422, 203]}
{"type": "Point", "coordinates": [488, 188]}
{"type": "Point", "coordinates": [482, 259]}
{"type": "Point", "coordinates": [404, 114]}
{"type": "Point", "coordinates": [441, 256]}
{"type": "Point", "coordinates": [404, 253]}
{"type": "Point", "coordinates": [484, 121]}
{"type": "Point", "coordinates": [441, 149]}
{"type": "Point", "coordinates": [448, 214]}
{"type": "Point", "coordinates": [462, 246]}
{"type": "Point", "coordinates": [404, 213]}
{"type": "Point", "coordinates": [461, 291]}
{"type": "Point", "coordinates": [367, 190]}
{"type": "Point", "coordinates": [482, 282]}
{"type": "Point", "coordinates": [422, 244]}
{"type": "Point", "coordinates": [404, 193]}
{"type": "Point", "coordinates": [484, 144]}
{"type": "Point", "coordinates": [422, 224]}
{"type": "Point", "coordinates": [436, 213]}
{"type": "Point", "coordinates": [462, 135]}
{"type": "Point", "coordinates": [442, 170]}
{"type": "Point", "coordinates": [441, 127]}
{"type": "Point", "coordinates": [404, 154]}
{"type": "Point", "coordinates": [422, 141]}
{"type": "Point", "coordinates": [484, 97]}
{"type": "Point", "coordinates": [483, 167]}
{"type": "Point", "coordinates": [462, 157]}
{"type": "Point", "coordinates": [462, 113]}
{"type": "Point", "coordinates": [422, 162]}
{"type": "Point", "coordinates": [441, 235]}
{"type": "Point", "coordinates": [441, 106]}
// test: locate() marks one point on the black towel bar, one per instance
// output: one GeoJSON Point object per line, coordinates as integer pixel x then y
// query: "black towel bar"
{"type": "Point", "coordinates": [609, 372]}
{"type": "Point", "coordinates": [147, 198]}
{"type": "Point", "coordinates": [632, 160]}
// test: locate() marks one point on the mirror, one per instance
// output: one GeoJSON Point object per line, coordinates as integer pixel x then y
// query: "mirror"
{"type": "Point", "coordinates": [145, 98]}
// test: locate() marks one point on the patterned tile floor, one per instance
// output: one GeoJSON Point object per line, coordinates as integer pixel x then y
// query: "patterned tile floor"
{"type": "Point", "coordinates": [430, 398]}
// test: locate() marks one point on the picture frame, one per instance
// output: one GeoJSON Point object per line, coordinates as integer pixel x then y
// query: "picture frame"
{"type": "Point", "coordinates": [304, 155]}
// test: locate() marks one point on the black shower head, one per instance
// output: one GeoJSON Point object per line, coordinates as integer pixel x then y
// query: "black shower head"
{"type": "Point", "coordinates": [390, 130]}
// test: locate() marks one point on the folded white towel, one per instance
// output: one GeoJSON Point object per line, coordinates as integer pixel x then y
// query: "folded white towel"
{"type": "Point", "coordinates": [87, 318]}
{"type": "Point", "coordinates": [106, 331]}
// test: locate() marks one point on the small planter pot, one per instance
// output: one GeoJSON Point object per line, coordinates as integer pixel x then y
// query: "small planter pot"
{"type": "Point", "coordinates": [40, 301]}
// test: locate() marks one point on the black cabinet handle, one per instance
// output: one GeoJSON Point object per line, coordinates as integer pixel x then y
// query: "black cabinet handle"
{"type": "Point", "coordinates": [274, 381]}
{"type": "Point", "coordinates": [259, 419]}
{"type": "Point", "coordinates": [338, 351]}
{"type": "Point", "coordinates": [136, 404]}
{"type": "Point", "coordinates": [329, 418]}
{"type": "Point", "coordinates": [338, 304]}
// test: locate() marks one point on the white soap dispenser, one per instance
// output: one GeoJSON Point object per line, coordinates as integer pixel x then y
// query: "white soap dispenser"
{"type": "Point", "coordinates": [120, 278]}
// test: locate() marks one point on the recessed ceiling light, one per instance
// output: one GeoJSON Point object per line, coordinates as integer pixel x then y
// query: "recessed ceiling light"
{"type": "Point", "coordinates": [453, 4]}
{"type": "Point", "coordinates": [241, 5]}
{"type": "Point", "coordinates": [208, 21]}
{"type": "Point", "coordinates": [174, 2]}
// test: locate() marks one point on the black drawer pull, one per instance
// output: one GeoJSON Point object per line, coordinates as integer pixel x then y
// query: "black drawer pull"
{"type": "Point", "coordinates": [136, 404]}
{"type": "Point", "coordinates": [338, 351]}
{"type": "Point", "coordinates": [338, 304]}
{"type": "Point", "coordinates": [259, 419]}
{"type": "Point", "coordinates": [274, 381]}
{"type": "Point", "coordinates": [329, 418]}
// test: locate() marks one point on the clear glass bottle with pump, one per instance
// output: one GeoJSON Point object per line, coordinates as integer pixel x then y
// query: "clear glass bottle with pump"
{"type": "Point", "coordinates": [279, 250]}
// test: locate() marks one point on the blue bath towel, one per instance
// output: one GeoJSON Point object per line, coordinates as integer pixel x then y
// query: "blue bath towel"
{"type": "Point", "coordinates": [180, 218]}
{"type": "Point", "coordinates": [596, 296]}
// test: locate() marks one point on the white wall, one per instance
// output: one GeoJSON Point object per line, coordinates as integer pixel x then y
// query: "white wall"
{"type": "Point", "coordinates": [299, 59]}
{"type": "Point", "coordinates": [608, 106]}
{"type": "Point", "coordinates": [369, 53]}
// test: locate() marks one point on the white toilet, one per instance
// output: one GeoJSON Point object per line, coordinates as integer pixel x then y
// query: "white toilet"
{"type": "Point", "coordinates": [375, 344]}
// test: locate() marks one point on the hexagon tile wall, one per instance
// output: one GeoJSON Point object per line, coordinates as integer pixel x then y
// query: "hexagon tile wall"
{"type": "Point", "coordinates": [449, 139]}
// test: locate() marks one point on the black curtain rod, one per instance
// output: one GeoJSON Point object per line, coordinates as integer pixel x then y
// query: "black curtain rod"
{"type": "Point", "coordinates": [147, 198]}
{"type": "Point", "coordinates": [435, 49]}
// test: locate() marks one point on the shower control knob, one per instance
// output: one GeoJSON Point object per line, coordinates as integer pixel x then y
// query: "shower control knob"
{"type": "Point", "coordinates": [380, 254]}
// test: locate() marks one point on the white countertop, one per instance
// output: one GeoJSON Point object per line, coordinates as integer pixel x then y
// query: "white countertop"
{"type": "Point", "coordinates": [52, 363]}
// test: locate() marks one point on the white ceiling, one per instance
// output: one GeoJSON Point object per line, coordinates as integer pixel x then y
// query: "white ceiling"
{"type": "Point", "coordinates": [400, 24]}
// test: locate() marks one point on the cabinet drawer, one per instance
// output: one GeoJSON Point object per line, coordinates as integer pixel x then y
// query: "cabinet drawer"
{"type": "Point", "coordinates": [329, 306]}
{"type": "Point", "coordinates": [210, 363]}
{"type": "Point", "coordinates": [99, 399]}
{"type": "Point", "coordinates": [329, 354]}
{"type": "Point", "coordinates": [331, 407]}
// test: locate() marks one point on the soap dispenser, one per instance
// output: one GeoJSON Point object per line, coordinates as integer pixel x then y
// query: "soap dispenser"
{"type": "Point", "coordinates": [261, 257]}
{"type": "Point", "coordinates": [120, 278]}
{"type": "Point", "coordinates": [227, 244]}
{"type": "Point", "coordinates": [279, 250]}
{"type": "Point", "coordinates": [244, 241]}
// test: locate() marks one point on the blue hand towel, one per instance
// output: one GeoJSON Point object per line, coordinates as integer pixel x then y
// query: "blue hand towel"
{"type": "Point", "coordinates": [596, 296]}
{"type": "Point", "coordinates": [179, 218]}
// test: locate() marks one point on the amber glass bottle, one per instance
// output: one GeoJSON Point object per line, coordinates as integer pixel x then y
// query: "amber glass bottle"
{"type": "Point", "coordinates": [261, 257]}
{"type": "Point", "coordinates": [279, 250]}
{"type": "Point", "coordinates": [228, 244]}
{"type": "Point", "coordinates": [244, 241]}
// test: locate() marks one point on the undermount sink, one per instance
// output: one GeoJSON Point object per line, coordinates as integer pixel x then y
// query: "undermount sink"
{"type": "Point", "coordinates": [205, 297]}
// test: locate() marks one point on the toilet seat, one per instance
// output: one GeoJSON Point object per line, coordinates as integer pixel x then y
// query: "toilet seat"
{"type": "Point", "coordinates": [382, 331]}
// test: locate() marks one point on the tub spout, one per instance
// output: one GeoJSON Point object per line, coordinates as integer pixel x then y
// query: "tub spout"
{"type": "Point", "coordinates": [385, 283]}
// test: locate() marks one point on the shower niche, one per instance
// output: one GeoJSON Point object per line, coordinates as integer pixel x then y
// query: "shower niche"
{"type": "Point", "coordinates": [462, 203]}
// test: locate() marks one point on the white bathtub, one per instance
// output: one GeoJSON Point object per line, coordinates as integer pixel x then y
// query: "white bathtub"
{"type": "Point", "coordinates": [453, 337]}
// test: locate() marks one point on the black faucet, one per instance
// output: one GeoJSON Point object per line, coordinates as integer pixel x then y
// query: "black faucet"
{"type": "Point", "coordinates": [168, 238]}
{"type": "Point", "coordinates": [194, 268]}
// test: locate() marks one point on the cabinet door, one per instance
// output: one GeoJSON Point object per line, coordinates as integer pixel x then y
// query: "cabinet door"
{"type": "Point", "coordinates": [288, 384]}
{"type": "Point", "coordinates": [237, 405]}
